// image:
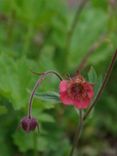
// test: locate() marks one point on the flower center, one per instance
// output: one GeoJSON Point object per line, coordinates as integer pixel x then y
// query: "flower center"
{"type": "Point", "coordinates": [75, 90]}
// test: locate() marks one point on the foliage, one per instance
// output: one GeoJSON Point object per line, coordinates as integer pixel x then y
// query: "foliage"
{"type": "Point", "coordinates": [33, 36]}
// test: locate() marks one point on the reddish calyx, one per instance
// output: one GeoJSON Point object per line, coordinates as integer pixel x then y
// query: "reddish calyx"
{"type": "Point", "coordinates": [29, 124]}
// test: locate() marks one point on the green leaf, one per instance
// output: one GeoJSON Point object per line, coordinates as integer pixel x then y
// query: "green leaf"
{"type": "Point", "coordinates": [14, 81]}
{"type": "Point", "coordinates": [42, 116]}
{"type": "Point", "coordinates": [98, 85]}
{"type": "Point", "coordinates": [92, 75]}
{"type": "Point", "coordinates": [46, 118]}
{"type": "Point", "coordinates": [23, 141]}
{"type": "Point", "coordinates": [26, 141]}
{"type": "Point", "coordinates": [50, 96]}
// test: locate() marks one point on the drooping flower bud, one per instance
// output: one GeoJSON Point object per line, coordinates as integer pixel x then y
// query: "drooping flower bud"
{"type": "Point", "coordinates": [29, 124]}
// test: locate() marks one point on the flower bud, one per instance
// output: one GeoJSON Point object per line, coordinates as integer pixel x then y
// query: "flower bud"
{"type": "Point", "coordinates": [29, 124]}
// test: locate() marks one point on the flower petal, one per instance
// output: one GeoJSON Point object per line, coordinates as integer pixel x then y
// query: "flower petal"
{"type": "Point", "coordinates": [63, 86]}
{"type": "Point", "coordinates": [65, 98]}
{"type": "Point", "coordinates": [80, 99]}
{"type": "Point", "coordinates": [82, 104]}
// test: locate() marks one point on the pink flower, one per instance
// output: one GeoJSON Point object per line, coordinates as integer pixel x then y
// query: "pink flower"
{"type": "Point", "coordinates": [76, 91]}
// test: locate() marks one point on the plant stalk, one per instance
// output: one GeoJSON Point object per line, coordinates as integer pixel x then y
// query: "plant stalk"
{"type": "Point", "coordinates": [83, 118]}
{"type": "Point", "coordinates": [77, 133]}
{"type": "Point", "coordinates": [105, 80]}
{"type": "Point", "coordinates": [41, 78]}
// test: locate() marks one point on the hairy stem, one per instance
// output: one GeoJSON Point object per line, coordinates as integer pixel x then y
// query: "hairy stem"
{"type": "Point", "coordinates": [105, 80]}
{"type": "Point", "coordinates": [82, 119]}
{"type": "Point", "coordinates": [41, 78]}
{"type": "Point", "coordinates": [77, 133]}
{"type": "Point", "coordinates": [49, 72]}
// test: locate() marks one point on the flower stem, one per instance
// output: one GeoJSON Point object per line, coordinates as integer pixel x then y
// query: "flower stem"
{"type": "Point", "coordinates": [51, 71]}
{"type": "Point", "coordinates": [77, 133]}
{"type": "Point", "coordinates": [105, 80]}
{"type": "Point", "coordinates": [41, 78]}
{"type": "Point", "coordinates": [83, 118]}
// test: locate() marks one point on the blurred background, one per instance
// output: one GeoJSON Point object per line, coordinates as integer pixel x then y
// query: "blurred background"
{"type": "Point", "coordinates": [34, 35]}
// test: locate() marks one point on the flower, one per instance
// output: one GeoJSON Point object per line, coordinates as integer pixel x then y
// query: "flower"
{"type": "Point", "coordinates": [76, 91]}
{"type": "Point", "coordinates": [29, 124]}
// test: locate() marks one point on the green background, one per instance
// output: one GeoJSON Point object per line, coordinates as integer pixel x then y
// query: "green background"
{"type": "Point", "coordinates": [33, 36]}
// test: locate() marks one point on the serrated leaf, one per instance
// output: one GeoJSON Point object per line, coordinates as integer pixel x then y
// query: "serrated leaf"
{"type": "Point", "coordinates": [20, 139]}
{"type": "Point", "coordinates": [92, 75]}
{"type": "Point", "coordinates": [26, 141]}
{"type": "Point", "coordinates": [50, 96]}
{"type": "Point", "coordinates": [14, 80]}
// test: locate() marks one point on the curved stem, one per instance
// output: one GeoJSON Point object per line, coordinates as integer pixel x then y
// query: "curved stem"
{"type": "Point", "coordinates": [105, 80]}
{"type": "Point", "coordinates": [51, 71]}
{"type": "Point", "coordinates": [42, 77]}
{"type": "Point", "coordinates": [77, 134]}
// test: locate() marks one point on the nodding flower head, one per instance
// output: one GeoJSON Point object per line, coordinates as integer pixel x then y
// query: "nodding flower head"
{"type": "Point", "coordinates": [29, 124]}
{"type": "Point", "coordinates": [76, 91]}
